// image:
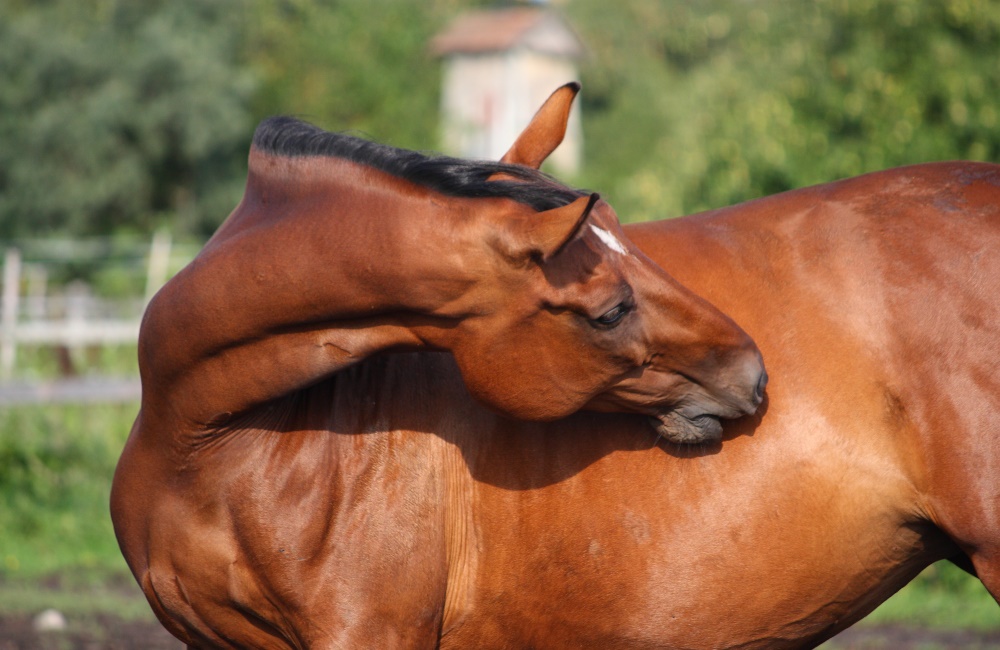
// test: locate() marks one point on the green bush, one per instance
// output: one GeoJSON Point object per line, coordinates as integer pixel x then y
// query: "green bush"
{"type": "Point", "coordinates": [57, 463]}
{"type": "Point", "coordinates": [943, 596]}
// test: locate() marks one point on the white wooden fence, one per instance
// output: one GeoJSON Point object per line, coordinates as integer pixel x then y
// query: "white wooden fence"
{"type": "Point", "coordinates": [75, 318]}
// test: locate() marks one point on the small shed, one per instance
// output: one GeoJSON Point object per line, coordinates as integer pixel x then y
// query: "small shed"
{"type": "Point", "coordinates": [499, 65]}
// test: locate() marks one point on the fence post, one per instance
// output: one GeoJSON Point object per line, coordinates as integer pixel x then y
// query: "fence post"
{"type": "Point", "coordinates": [36, 278]}
{"type": "Point", "coordinates": [8, 324]}
{"type": "Point", "coordinates": [159, 264]}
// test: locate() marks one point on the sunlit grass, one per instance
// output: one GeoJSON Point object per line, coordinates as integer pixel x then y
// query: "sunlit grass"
{"type": "Point", "coordinates": [123, 600]}
{"type": "Point", "coordinates": [942, 597]}
{"type": "Point", "coordinates": [57, 463]}
{"type": "Point", "coordinates": [37, 363]}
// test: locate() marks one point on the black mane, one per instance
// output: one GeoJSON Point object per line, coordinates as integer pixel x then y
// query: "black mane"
{"type": "Point", "coordinates": [287, 136]}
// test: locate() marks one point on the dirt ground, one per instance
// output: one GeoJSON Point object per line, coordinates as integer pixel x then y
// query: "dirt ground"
{"type": "Point", "coordinates": [108, 633]}
{"type": "Point", "coordinates": [101, 633]}
{"type": "Point", "coordinates": [896, 637]}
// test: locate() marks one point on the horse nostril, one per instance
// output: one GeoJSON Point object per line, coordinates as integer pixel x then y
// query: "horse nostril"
{"type": "Point", "coordinates": [761, 385]}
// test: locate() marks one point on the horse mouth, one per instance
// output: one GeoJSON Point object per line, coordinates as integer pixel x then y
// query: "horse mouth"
{"type": "Point", "coordinates": [683, 430]}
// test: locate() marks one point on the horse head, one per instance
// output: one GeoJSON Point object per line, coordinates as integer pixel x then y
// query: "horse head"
{"type": "Point", "coordinates": [570, 315]}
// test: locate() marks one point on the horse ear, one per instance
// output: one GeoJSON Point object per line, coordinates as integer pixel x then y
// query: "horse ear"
{"type": "Point", "coordinates": [545, 131]}
{"type": "Point", "coordinates": [544, 234]}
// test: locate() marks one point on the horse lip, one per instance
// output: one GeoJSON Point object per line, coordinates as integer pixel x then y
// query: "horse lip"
{"type": "Point", "coordinates": [681, 429]}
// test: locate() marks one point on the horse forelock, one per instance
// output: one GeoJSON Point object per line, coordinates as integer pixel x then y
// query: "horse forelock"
{"type": "Point", "coordinates": [292, 138]}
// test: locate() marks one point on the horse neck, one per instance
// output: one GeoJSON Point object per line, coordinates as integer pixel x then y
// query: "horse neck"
{"type": "Point", "coordinates": [358, 239]}
{"type": "Point", "coordinates": [322, 264]}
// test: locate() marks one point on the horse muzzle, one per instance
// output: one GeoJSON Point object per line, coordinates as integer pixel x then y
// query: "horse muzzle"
{"type": "Point", "coordinates": [684, 430]}
{"type": "Point", "coordinates": [701, 422]}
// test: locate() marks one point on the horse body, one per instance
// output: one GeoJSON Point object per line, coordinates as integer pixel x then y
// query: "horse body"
{"type": "Point", "coordinates": [384, 506]}
{"type": "Point", "coordinates": [875, 455]}
{"type": "Point", "coordinates": [389, 508]}
{"type": "Point", "coordinates": [888, 306]}
{"type": "Point", "coordinates": [877, 452]}
{"type": "Point", "coordinates": [873, 301]}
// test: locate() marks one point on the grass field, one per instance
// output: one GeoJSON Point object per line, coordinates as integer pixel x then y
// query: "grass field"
{"type": "Point", "coordinates": [58, 550]}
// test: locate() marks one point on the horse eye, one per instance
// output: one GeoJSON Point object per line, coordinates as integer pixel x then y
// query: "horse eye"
{"type": "Point", "coordinates": [613, 316]}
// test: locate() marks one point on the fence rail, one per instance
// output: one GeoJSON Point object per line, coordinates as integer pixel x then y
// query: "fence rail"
{"type": "Point", "coordinates": [77, 333]}
{"type": "Point", "coordinates": [74, 318]}
{"type": "Point", "coordinates": [88, 390]}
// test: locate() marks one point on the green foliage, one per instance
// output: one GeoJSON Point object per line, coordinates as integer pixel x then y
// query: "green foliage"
{"type": "Point", "coordinates": [942, 597]}
{"type": "Point", "coordinates": [118, 114]}
{"type": "Point", "coordinates": [358, 65]}
{"type": "Point", "coordinates": [123, 115]}
{"type": "Point", "coordinates": [705, 104]}
{"type": "Point", "coordinates": [54, 489]}
{"type": "Point", "coordinates": [45, 362]}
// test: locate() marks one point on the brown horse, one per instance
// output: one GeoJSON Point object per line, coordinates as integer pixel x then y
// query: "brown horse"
{"type": "Point", "coordinates": [383, 507]}
{"type": "Point", "coordinates": [342, 248]}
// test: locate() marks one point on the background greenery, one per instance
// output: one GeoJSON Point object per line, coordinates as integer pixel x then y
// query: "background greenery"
{"type": "Point", "coordinates": [127, 115]}
{"type": "Point", "coordinates": [119, 117]}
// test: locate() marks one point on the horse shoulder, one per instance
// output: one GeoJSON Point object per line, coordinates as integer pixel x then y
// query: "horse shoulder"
{"type": "Point", "coordinates": [297, 498]}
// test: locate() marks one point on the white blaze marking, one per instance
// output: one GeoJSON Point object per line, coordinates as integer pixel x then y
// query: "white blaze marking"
{"type": "Point", "coordinates": [609, 240]}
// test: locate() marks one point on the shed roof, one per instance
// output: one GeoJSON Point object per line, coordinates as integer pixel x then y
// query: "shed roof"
{"type": "Point", "coordinates": [497, 30]}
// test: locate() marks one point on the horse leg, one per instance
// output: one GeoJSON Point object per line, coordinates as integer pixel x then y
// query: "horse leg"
{"type": "Point", "coordinates": [987, 568]}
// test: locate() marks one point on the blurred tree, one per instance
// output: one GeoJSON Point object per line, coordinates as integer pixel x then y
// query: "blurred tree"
{"type": "Point", "coordinates": [359, 65]}
{"type": "Point", "coordinates": [120, 114]}
{"type": "Point", "coordinates": [124, 114]}
{"type": "Point", "coordinates": [703, 104]}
